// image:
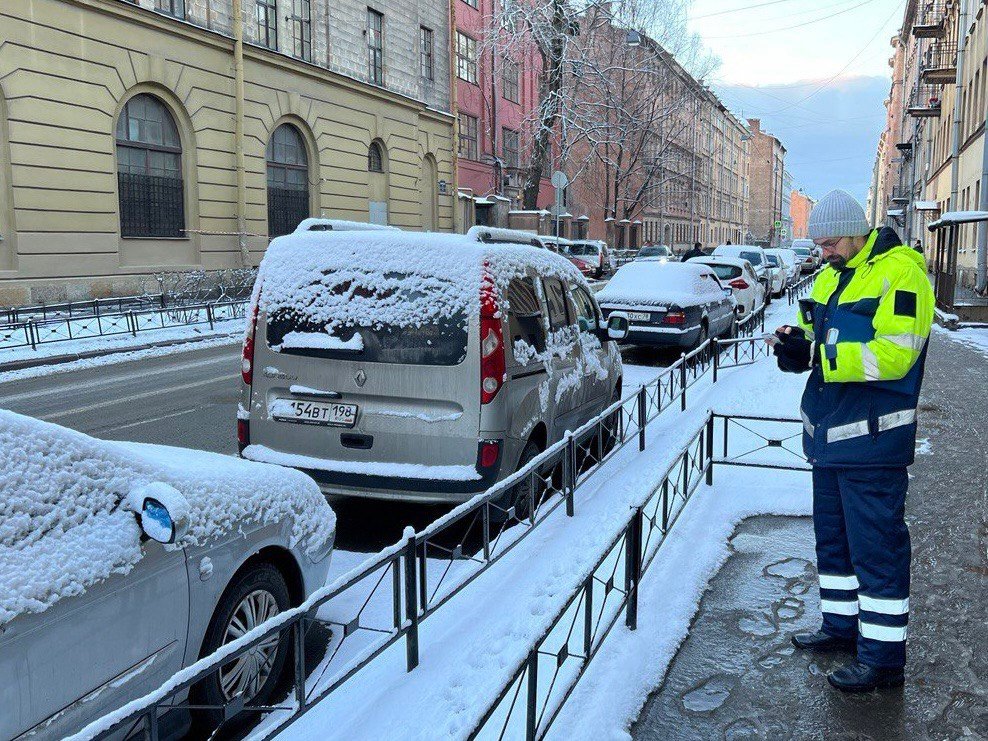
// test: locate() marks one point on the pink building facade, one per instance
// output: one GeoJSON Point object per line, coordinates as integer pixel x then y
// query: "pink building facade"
{"type": "Point", "coordinates": [495, 101]}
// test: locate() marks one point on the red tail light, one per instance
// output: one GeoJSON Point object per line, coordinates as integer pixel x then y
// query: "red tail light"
{"type": "Point", "coordinates": [739, 283]}
{"type": "Point", "coordinates": [674, 317]}
{"type": "Point", "coordinates": [247, 357]}
{"type": "Point", "coordinates": [489, 453]}
{"type": "Point", "coordinates": [492, 364]}
{"type": "Point", "coordinates": [243, 434]}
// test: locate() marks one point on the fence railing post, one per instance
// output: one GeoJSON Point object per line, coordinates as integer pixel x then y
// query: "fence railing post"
{"type": "Point", "coordinates": [532, 714]}
{"type": "Point", "coordinates": [411, 606]}
{"type": "Point", "coordinates": [298, 634]}
{"type": "Point", "coordinates": [682, 380]}
{"type": "Point", "coordinates": [209, 315]}
{"type": "Point", "coordinates": [133, 322]}
{"type": "Point", "coordinates": [632, 567]}
{"type": "Point", "coordinates": [710, 449]}
{"type": "Point", "coordinates": [572, 471]}
{"type": "Point", "coordinates": [32, 334]}
{"type": "Point", "coordinates": [641, 419]}
{"type": "Point", "coordinates": [716, 359]}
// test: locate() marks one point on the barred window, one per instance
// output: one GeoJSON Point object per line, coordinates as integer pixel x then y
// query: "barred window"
{"type": "Point", "coordinates": [288, 180]}
{"type": "Point", "coordinates": [301, 21]}
{"type": "Point", "coordinates": [510, 143]}
{"type": "Point", "coordinates": [267, 23]}
{"type": "Point", "coordinates": [466, 57]}
{"type": "Point", "coordinates": [375, 46]}
{"type": "Point", "coordinates": [375, 158]}
{"type": "Point", "coordinates": [471, 3]}
{"type": "Point", "coordinates": [468, 137]}
{"type": "Point", "coordinates": [171, 7]}
{"type": "Point", "coordinates": [149, 170]}
{"type": "Point", "coordinates": [511, 81]}
{"type": "Point", "coordinates": [427, 51]}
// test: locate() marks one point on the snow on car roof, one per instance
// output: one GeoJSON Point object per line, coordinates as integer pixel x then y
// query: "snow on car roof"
{"type": "Point", "coordinates": [400, 278]}
{"type": "Point", "coordinates": [643, 282]}
{"type": "Point", "coordinates": [64, 518]}
{"type": "Point", "coordinates": [738, 262]}
{"type": "Point", "coordinates": [341, 225]}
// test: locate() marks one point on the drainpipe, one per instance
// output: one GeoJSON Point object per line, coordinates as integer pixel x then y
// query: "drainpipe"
{"type": "Point", "coordinates": [958, 106]}
{"type": "Point", "coordinates": [238, 131]}
{"type": "Point", "coordinates": [458, 226]}
{"type": "Point", "coordinates": [982, 262]}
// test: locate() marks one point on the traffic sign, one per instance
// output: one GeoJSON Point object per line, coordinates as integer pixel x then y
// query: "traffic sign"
{"type": "Point", "coordinates": [778, 224]}
{"type": "Point", "coordinates": [559, 179]}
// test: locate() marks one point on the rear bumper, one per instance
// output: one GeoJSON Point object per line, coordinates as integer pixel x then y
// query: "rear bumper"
{"type": "Point", "coordinates": [663, 336]}
{"type": "Point", "coordinates": [425, 491]}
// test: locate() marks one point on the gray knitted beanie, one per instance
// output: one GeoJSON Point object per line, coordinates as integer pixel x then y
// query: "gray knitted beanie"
{"type": "Point", "coordinates": [837, 214]}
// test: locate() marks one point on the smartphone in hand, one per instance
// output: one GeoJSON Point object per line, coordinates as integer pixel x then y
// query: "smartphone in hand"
{"type": "Point", "coordinates": [771, 338]}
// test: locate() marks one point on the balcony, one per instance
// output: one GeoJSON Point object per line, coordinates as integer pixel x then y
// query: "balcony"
{"type": "Point", "coordinates": [931, 20]}
{"type": "Point", "coordinates": [900, 194]}
{"type": "Point", "coordinates": [906, 148]}
{"type": "Point", "coordinates": [925, 102]}
{"type": "Point", "coordinates": [939, 64]}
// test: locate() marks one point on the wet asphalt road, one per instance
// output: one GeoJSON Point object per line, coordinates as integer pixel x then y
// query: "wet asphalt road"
{"type": "Point", "coordinates": [737, 677]}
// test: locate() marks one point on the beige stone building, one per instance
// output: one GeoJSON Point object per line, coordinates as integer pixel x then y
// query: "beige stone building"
{"type": "Point", "coordinates": [137, 137]}
{"type": "Point", "coordinates": [768, 191]}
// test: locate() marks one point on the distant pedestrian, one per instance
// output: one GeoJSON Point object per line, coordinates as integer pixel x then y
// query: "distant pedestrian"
{"type": "Point", "coordinates": [918, 246]}
{"type": "Point", "coordinates": [863, 337]}
{"type": "Point", "coordinates": [697, 251]}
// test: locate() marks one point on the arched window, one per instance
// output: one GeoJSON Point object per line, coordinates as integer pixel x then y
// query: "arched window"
{"type": "Point", "coordinates": [149, 170]}
{"type": "Point", "coordinates": [375, 158]}
{"type": "Point", "coordinates": [288, 180]}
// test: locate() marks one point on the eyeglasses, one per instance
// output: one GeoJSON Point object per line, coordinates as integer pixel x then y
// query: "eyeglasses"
{"type": "Point", "coordinates": [828, 244]}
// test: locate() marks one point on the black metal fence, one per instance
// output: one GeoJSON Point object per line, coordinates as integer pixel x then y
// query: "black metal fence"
{"type": "Point", "coordinates": [543, 681]}
{"type": "Point", "coordinates": [32, 333]}
{"type": "Point", "coordinates": [382, 602]}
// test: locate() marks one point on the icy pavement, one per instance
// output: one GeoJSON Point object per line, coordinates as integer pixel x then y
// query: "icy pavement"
{"type": "Point", "coordinates": [736, 677]}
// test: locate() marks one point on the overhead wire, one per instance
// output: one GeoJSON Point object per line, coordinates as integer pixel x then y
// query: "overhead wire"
{"type": "Point", "coordinates": [821, 19]}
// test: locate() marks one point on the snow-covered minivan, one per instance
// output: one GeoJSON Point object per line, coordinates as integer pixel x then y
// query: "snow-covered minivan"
{"type": "Point", "coordinates": [419, 366]}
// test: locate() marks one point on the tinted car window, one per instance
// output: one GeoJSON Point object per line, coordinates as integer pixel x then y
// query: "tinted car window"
{"type": "Point", "coordinates": [773, 261]}
{"type": "Point", "coordinates": [586, 314]}
{"type": "Point", "coordinates": [653, 251]}
{"type": "Point", "coordinates": [753, 257]}
{"type": "Point", "coordinates": [525, 320]}
{"type": "Point", "coordinates": [726, 272]}
{"type": "Point", "coordinates": [440, 342]}
{"type": "Point", "coordinates": [555, 297]}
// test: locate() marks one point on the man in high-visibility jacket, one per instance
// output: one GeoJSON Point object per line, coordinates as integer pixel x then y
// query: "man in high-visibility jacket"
{"type": "Point", "coordinates": [863, 337]}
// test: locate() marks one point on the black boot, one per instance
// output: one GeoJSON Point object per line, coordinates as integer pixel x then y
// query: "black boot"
{"type": "Point", "coordinates": [858, 677]}
{"type": "Point", "coordinates": [821, 641]}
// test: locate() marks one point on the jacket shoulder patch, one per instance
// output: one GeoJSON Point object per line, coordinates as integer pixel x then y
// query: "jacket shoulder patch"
{"type": "Point", "coordinates": [905, 303]}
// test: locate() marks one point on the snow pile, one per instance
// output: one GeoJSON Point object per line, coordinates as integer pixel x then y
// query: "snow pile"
{"type": "Point", "coordinates": [318, 341]}
{"type": "Point", "coordinates": [387, 278]}
{"type": "Point", "coordinates": [661, 284]}
{"type": "Point", "coordinates": [65, 519]}
{"type": "Point", "coordinates": [342, 225]}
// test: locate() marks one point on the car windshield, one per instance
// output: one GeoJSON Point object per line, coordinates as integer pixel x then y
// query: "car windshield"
{"type": "Point", "coordinates": [580, 249]}
{"type": "Point", "coordinates": [725, 272]}
{"type": "Point", "coordinates": [654, 250]}
{"type": "Point", "coordinates": [801, 251]}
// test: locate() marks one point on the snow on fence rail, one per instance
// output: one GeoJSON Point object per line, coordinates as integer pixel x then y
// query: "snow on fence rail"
{"type": "Point", "coordinates": [32, 333]}
{"type": "Point", "coordinates": [374, 606]}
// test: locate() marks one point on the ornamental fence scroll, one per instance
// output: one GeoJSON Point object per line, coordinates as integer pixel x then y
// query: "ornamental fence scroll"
{"type": "Point", "coordinates": [373, 607]}
{"type": "Point", "coordinates": [33, 333]}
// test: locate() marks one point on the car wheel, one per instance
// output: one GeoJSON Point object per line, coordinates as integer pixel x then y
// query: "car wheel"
{"type": "Point", "coordinates": [611, 432]}
{"type": "Point", "coordinates": [732, 330]}
{"type": "Point", "coordinates": [704, 334]}
{"type": "Point", "coordinates": [256, 596]}
{"type": "Point", "coordinates": [520, 495]}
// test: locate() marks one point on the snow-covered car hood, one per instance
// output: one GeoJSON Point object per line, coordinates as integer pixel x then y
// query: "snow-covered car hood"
{"type": "Point", "coordinates": [655, 283]}
{"type": "Point", "coordinates": [65, 523]}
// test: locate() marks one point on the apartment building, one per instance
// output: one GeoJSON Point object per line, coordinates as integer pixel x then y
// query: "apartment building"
{"type": "Point", "coordinates": [495, 98]}
{"type": "Point", "coordinates": [767, 178]}
{"type": "Point", "coordinates": [138, 137]}
{"type": "Point", "coordinates": [801, 208]}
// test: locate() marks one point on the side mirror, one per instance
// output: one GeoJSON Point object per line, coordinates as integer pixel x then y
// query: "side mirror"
{"type": "Point", "coordinates": [164, 512]}
{"type": "Point", "coordinates": [618, 326]}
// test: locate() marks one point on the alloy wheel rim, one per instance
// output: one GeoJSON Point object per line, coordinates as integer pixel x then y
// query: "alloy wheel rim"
{"type": "Point", "coordinates": [246, 674]}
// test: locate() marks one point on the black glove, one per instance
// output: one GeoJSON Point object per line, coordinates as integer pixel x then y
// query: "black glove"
{"type": "Point", "coordinates": [794, 352]}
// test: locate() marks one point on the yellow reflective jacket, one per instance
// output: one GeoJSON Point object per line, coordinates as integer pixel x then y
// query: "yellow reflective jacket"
{"type": "Point", "coordinates": [871, 322]}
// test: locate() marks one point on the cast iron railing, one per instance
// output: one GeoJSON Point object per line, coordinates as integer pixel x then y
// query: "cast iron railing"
{"type": "Point", "coordinates": [384, 600]}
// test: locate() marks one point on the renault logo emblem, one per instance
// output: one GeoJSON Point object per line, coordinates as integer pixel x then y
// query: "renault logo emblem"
{"type": "Point", "coordinates": [360, 378]}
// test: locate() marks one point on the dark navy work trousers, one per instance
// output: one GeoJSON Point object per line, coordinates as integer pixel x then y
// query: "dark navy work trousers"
{"type": "Point", "coordinates": [862, 550]}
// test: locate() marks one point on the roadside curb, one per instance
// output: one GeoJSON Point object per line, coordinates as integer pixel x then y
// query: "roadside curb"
{"type": "Point", "coordinates": [15, 365]}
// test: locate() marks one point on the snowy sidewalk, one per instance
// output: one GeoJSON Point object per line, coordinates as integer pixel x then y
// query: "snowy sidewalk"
{"type": "Point", "coordinates": [738, 677]}
{"type": "Point", "coordinates": [470, 647]}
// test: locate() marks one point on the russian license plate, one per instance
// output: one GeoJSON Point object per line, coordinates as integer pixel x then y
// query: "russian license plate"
{"type": "Point", "coordinates": [639, 316]}
{"type": "Point", "coordinates": [314, 412]}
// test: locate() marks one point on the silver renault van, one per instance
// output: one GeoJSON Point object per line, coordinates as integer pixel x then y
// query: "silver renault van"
{"type": "Point", "coordinates": [419, 366]}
